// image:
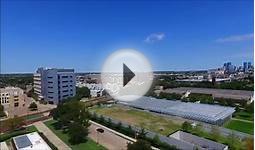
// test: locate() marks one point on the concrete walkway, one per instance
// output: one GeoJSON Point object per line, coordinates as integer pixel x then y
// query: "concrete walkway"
{"type": "Point", "coordinates": [51, 136]}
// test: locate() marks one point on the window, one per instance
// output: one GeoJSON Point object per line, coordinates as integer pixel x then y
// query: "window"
{"type": "Point", "coordinates": [71, 76]}
{"type": "Point", "coordinates": [50, 82]}
{"type": "Point", "coordinates": [50, 97]}
{"type": "Point", "coordinates": [64, 76]}
{"type": "Point", "coordinates": [50, 77]}
{"type": "Point", "coordinates": [65, 91]}
{"type": "Point", "coordinates": [50, 87]}
{"type": "Point", "coordinates": [16, 99]}
{"type": "Point", "coordinates": [64, 86]}
{"type": "Point", "coordinates": [16, 104]}
{"type": "Point", "coordinates": [50, 92]}
{"type": "Point", "coordinates": [65, 95]}
{"type": "Point", "coordinates": [64, 81]}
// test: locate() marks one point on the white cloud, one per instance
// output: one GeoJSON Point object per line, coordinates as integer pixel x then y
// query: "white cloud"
{"type": "Point", "coordinates": [154, 37]}
{"type": "Point", "coordinates": [236, 38]}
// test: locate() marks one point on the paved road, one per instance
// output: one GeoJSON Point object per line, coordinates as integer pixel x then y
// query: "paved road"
{"type": "Point", "coordinates": [51, 136]}
{"type": "Point", "coordinates": [108, 139]}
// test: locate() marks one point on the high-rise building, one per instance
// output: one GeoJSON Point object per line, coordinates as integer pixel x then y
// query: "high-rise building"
{"type": "Point", "coordinates": [14, 101]}
{"type": "Point", "coordinates": [228, 67]}
{"type": "Point", "coordinates": [249, 65]}
{"type": "Point", "coordinates": [54, 85]}
{"type": "Point", "coordinates": [245, 66]}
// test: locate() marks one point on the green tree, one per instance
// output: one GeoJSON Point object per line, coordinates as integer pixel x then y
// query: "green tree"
{"type": "Point", "coordinates": [156, 140]}
{"type": "Point", "coordinates": [139, 145]}
{"type": "Point", "coordinates": [186, 126]}
{"type": "Point", "coordinates": [215, 132]}
{"type": "Point", "coordinates": [77, 133]}
{"type": "Point", "coordinates": [33, 106]}
{"type": "Point", "coordinates": [2, 114]}
{"type": "Point", "coordinates": [14, 123]}
{"type": "Point", "coordinates": [82, 92]}
{"type": "Point", "coordinates": [142, 134]}
{"type": "Point", "coordinates": [73, 111]}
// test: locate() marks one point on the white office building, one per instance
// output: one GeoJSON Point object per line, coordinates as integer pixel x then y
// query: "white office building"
{"type": "Point", "coordinates": [54, 85]}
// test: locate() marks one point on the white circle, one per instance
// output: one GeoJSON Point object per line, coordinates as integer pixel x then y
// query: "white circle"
{"type": "Point", "coordinates": [112, 75]}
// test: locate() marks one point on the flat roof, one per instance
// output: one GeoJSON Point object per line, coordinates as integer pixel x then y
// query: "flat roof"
{"type": "Point", "coordinates": [183, 109]}
{"type": "Point", "coordinates": [197, 141]}
{"type": "Point", "coordinates": [30, 141]}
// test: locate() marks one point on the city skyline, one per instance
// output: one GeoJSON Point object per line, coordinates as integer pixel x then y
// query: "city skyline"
{"type": "Point", "coordinates": [173, 35]}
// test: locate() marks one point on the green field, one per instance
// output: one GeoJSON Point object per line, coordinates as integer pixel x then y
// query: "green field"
{"type": "Point", "coordinates": [88, 145]}
{"type": "Point", "coordinates": [139, 118]}
{"type": "Point", "coordinates": [244, 115]}
{"type": "Point", "coordinates": [239, 125]}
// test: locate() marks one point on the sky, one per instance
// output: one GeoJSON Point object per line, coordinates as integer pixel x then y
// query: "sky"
{"type": "Point", "coordinates": [173, 35]}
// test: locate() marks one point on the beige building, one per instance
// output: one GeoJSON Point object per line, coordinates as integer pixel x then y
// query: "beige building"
{"type": "Point", "coordinates": [14, 101]}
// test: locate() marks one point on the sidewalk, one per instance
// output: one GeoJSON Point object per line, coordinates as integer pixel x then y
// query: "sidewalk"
{"type": "Point", "coordinates": [51, 136]}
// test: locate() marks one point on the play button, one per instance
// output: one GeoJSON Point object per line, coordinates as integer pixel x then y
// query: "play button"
{"type": "Point", "coordinates": [127, 75]}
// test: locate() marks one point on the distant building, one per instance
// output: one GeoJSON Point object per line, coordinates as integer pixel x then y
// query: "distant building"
{"type": "Point", "coordinates": [14, 101]}
{"type": "Point", "coordinates": [54, 85]}
{"type": "Point", "coordinates": [249, 65]}
{"type": "Point", "coordinates": [228, 67]}
{"type": "Point", "coordinates": [30, 141]}
{"type": "Point", "coordinates": [96, 90]}
{"type": "Point", "coordinates": [245, 67]}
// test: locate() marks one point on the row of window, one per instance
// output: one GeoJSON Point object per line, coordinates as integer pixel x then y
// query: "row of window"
{"type": "Point", "coordinates": [64, 77]}
{"type": "Point", "coordinates": [4, 101]}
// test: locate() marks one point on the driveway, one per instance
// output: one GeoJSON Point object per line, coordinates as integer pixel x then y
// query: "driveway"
{"type": "Point", "coordinates": [109, 139]}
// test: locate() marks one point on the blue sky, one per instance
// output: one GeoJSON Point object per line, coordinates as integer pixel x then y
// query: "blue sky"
{"type": "Point", "coordinates": [175, 35]}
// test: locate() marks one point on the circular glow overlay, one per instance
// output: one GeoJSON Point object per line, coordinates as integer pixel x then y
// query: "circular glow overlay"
{"type": "Point", "coordinates": [112, 75]}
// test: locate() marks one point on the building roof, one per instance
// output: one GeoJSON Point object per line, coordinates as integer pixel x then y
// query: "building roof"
{"type": "Point", "coordinates": [196, 111]}
{"type": "Point", "coordinates": [197, 141]}
{"type": "Point", "coordinates": [30, 141]}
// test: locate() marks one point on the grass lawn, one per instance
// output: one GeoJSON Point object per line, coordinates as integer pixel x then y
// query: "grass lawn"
{"type": "Point", "coordinates": [9, 135]}
{"type": "Point", "coordinates": [242, 126]}
{"type": "Point", "coordinates": [244, 115]}
{"type": "Point", "coordinates": [35, 116]}
{"type": "Point", "coordinates": [89, 145]}
{"type": "Point", "coordinates": [139, 118]}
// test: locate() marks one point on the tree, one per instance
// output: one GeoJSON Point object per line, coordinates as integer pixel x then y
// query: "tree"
{"type": "Point", "coordinates": [156, 140]}
{"type": "Point", "coordinates": [232, 140]}
{"type": "Point", "coordinates": [77, 133]}
{"type": "Point", "coordinates": [215, 132]}
{"type": "Point", "coordinates": [119, 125]}
{"type": "Point", "coordinates": [142, 134]}
{"type": "Point", "coordinates": [139, 145]}
{"type": "Point", "coordinates": [72, 111]}
{"type": "Point", "coordinates": [14, 123]}
{"type": "Point", "coordinates": [249, 143]}
{"type": "Point", "coordinates": [33, 106]}
{"type": "Point", "coordinates": [186, 126]}
{"type": "Point", "coordinates": [82, 92]}
{"type": "Point", "coordinates": [2, 113]}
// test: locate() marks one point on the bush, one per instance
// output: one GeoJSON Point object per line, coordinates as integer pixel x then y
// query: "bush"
{"type": "Point", "coordinates": [33, 106]}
